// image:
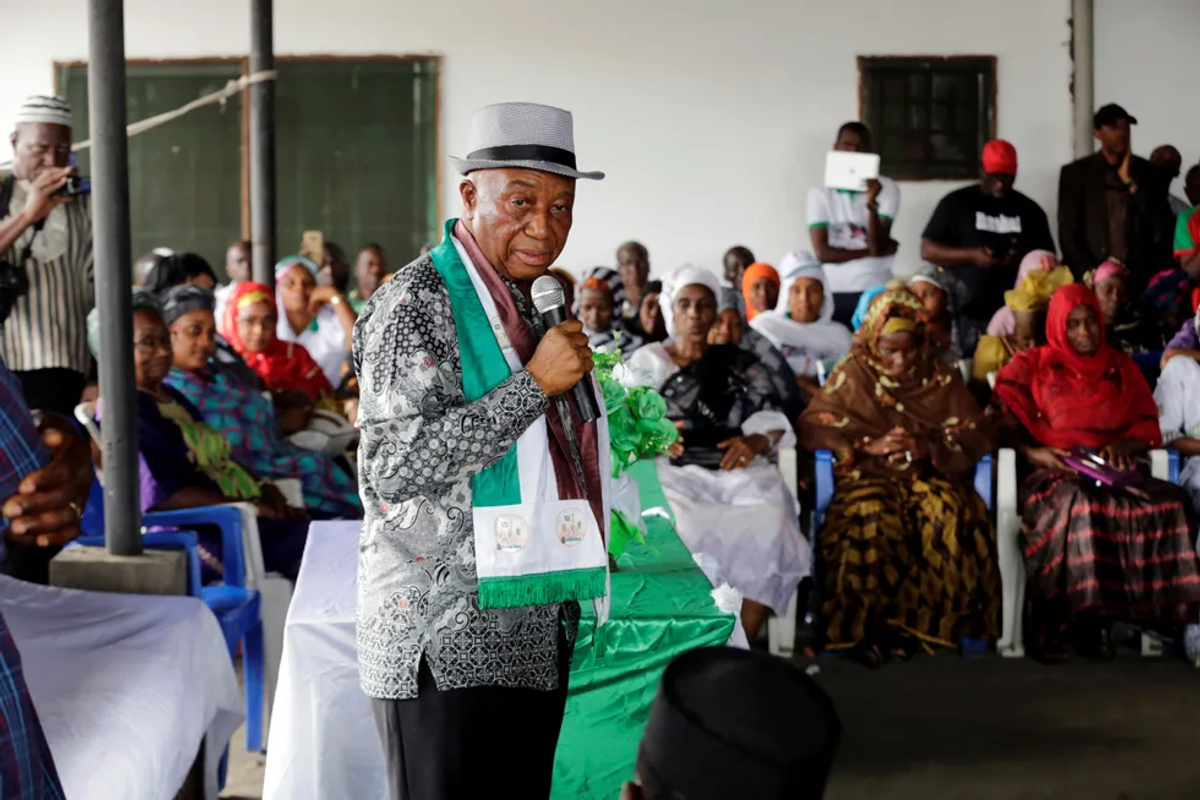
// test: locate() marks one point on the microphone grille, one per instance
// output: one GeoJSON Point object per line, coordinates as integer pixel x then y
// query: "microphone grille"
{"type": "Point", "coordinates": [547, 294]}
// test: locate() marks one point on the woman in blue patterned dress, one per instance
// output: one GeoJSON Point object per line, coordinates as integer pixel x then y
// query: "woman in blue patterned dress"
{"type": "Point", "coordinates": [245, 417]}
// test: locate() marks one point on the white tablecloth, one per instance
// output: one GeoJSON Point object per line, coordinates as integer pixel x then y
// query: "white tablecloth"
{"type": "Point", "coordinates": [323, 743]}
{"type": "Point", "coordinates": [126, 687]}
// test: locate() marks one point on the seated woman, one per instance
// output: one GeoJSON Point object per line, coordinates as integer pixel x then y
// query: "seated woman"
{"type": "Point", "coordinates": [1092, 553]}
{"type": "Point", "coordinates": [760, 289]}
{"type": "Point", "coordinates": [190, 269]}
{"type": "Point", "coordinates": [319, 318]}
{"type": "Point", "coordinates": [801, 325]}
{"type": "Point", "coordinates": [942, 296]}
{"type": "Point", "coordinates": [907, 547]}
{"type": "Point", "coordinates": [1128, 330]}
{"type": "Point", "coordinates": [651, 327]}
{"type": "Point", "coordinates": [250, 326]}
{"type": "Point", "coordinates": [731, 503]}
{"type": "Point", "coordinates": [246, 418]}
{"type": "Point", "coordinates": [1003, 323]}
{"type": "Point", "coordinates": [730, 328]}
{"type": "Point", "coordinates": [185, 463]}
{"type": "Point", "coordinates": [1168, 302]}
{"type": "Point", "coordinates": [1027, 306]}
{"type": "Point", "coordinates": [600, 295]}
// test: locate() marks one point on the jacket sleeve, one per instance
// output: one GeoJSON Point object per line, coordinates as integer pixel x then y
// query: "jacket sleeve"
{"type": "Point", "coordinates": [1072, 236]}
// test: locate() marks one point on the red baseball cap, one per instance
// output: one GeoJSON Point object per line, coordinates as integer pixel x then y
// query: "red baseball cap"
{"type": "Point", "coordinates": [999, 156]}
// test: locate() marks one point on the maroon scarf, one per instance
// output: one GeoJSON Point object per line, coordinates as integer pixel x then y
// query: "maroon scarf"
{"type": "Point", "coordinates": [520, 335]}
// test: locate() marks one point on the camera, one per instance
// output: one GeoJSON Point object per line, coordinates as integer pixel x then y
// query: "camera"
{"type": "Point", "coordinates": [74, 187]}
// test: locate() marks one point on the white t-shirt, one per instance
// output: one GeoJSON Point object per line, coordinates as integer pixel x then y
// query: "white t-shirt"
{"type": "Point", "coordinates": [844, 214]}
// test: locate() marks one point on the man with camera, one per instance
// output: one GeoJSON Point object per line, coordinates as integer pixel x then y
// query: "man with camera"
{"type": "Point", "coordinates": [46, 268]}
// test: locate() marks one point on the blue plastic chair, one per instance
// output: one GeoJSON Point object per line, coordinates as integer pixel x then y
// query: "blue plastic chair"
{"type": "Point", "coordinates": [824, 495]}
{"type": "Point", "coordinates": [236, 607]}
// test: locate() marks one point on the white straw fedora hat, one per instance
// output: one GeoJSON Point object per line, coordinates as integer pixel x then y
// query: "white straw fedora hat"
{"type": "Point", "coordinates": [522, 135]}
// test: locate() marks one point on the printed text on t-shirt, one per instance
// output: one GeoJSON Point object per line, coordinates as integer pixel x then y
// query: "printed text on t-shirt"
{"type": "Point", "coordinates": [997, 224]}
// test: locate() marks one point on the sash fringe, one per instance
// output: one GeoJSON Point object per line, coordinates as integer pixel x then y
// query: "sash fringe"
{"type": "Point", "coordinates": [542, 589]}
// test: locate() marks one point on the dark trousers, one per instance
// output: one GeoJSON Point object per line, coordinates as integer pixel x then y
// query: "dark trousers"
{"type": "Point", "coordinates": [57, 391]}
{"type": "Point", "coordinates": [487, 741]}
{"type": "Point", "coordinates": [843, 307]}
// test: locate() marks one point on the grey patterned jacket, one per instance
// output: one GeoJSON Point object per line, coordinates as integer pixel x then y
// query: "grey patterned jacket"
{"type": "Point", "coordinates": [421, 444]}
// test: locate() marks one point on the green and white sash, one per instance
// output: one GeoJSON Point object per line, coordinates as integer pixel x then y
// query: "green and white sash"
{"type": "Point", "coordinates": [532, 547]}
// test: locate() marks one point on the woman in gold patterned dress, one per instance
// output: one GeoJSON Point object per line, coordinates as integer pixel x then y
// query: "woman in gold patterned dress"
{"type": "Point", "coordinates": [907, 552]}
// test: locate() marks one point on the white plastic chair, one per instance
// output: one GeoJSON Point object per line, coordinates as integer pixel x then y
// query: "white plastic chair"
{"type": "Point", "coordinates": [781, 630]}
{"type": "Point", "coordinates": [1012, 563]}
{"type": "Point", "coordinates": [275, 591]}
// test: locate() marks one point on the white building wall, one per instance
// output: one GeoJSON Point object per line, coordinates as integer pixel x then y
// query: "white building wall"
{"type": "Point", "coordinates": [1144, 55]}
{"type": "Point", "coordinates": [711, 117]}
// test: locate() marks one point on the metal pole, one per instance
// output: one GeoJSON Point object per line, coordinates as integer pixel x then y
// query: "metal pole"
{"type": "Point", "coordinates": [262, 143]}
{"type": "Point", "coordinates": [111, 246]}
{"type": "Point", "coordinates": [1084, 75]}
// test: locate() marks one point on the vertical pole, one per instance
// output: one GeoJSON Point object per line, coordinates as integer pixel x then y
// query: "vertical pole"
{"type": "Point", "coordinates": [1083, 81]}
{"type": "Point", "coordinates": [262, 143]}
{"type": "Point", "coordinates": [112, 247]}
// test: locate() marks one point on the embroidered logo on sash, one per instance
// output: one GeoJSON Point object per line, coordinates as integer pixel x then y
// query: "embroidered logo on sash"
{"type": "Point", "coordinates": [571, 527]}
{"type": "Point", "coordinates": [512, 533]}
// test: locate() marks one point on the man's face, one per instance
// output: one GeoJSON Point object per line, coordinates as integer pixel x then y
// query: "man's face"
{"type": "Point", "coordinates": [237, 262]}
{"type": "Point", "coordinates": [369, 271]}
{"type": "Point", "coordinates": [520, 218]}
{"type": "Point", "coordinates": [38, 146]}
{"type": "Point", "coordinates": [997, 184]}
{"type": "Point", "coordinates": [850, 141]}
{"type": "Point", "coordinates": [1191, 187]}
{"type": "Point", "coordinates": [632, 269]}
{"type": "Point", "coordinates": [1168, 160]}
{"type": "Point", "coordinates": [1114, 138]}
{"type": "Point", "coordinates": [736, 262]}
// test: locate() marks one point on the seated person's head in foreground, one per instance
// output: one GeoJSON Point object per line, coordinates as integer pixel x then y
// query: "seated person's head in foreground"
{"type": "Point", "coordinates": [737, 260]}
{"type": "Point", "coordinates": [178, 269]}
{"type": "Point", "coordinates": [1110, 282]}
{"type": "Point", "coordinates": [730, 723]}
{"type": "Point", "coordinates": [188, 313]}
{"type": "Point", "coordinates": [760, 287]}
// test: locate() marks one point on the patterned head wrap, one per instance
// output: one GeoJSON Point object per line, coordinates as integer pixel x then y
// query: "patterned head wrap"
{"type": "Point", "coordinates": [179, 301]}
{"type": "Point", "coordinates": [1036, 289]}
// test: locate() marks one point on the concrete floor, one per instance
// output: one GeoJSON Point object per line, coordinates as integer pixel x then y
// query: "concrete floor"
{"type": "Point", "coordinates": [940, 728]}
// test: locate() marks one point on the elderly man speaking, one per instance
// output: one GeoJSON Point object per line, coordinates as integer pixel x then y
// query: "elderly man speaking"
{"type": "Point", "coordinates": [485, 493]}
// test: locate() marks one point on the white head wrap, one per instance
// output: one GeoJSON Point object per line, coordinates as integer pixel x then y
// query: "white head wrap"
{"type": "Point", "coordinates": [44, 109]}
{"type": "Point", "coordinates": [803, 343]}
{"type": "Point", "coordinates": [687, 275]}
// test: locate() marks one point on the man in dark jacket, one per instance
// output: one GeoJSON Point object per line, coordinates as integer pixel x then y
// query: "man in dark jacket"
{"type": "Point", "coordinates": [1113, 204]}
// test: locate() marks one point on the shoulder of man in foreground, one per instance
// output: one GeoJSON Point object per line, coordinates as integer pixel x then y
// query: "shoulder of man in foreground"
{"type": "Point", "coordinates": [418, 280]}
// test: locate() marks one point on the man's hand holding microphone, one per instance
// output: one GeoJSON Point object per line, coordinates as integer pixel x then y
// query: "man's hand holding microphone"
{"type": "Point", "coordinates": [562, 359]}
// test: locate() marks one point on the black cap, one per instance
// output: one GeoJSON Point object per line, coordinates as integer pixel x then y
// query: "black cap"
{"type": "Point", "coordinates": [1111, 114]}
{"type": "Point", "coordinates": [730, 723]}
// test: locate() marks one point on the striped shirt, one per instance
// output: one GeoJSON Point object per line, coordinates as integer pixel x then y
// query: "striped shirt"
{"type": "Point", "coordinates": [48, 325]}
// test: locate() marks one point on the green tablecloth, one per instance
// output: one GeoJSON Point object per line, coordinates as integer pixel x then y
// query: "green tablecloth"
{"type": "Point", "coordinates": [661, 606]}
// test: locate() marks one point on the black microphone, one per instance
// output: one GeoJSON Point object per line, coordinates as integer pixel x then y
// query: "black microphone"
{"type": "Point", "coordinates": [550, 302]}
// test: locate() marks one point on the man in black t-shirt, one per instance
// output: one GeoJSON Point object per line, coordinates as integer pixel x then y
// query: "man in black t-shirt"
{"type": "Point", "coordinates": [980, 234]}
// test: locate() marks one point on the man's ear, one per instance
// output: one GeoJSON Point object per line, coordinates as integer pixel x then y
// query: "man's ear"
{"type": "Point", "coordinates": [631, 791]}
{"type": "Point", "coordinates": [470, 197]}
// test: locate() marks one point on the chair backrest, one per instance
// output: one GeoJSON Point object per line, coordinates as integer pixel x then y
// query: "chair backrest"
{"type": "Point", "coordinates": [86, 414]}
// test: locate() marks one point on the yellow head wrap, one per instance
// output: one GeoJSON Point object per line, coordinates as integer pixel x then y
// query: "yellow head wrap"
{"type": "Point", "coordinates": [898, 325]}
{"type": "Point", "coordinates": [1036, 289]}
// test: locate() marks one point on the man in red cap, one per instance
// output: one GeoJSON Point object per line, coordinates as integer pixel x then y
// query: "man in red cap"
{"type": "Point", "coordinates": [981, 232]}
{"type": "Point", "coordinates": [1113, 204]}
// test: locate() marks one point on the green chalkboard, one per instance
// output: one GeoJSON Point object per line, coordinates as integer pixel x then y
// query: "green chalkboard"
{"type": "Point", "coordinates": [185, 178]}
{"type": "Point", "coordinates": [357, 153]}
